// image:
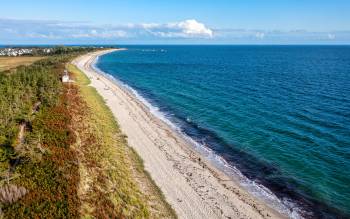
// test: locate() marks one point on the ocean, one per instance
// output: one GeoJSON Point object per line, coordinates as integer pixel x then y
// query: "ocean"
{"type": "Point", "coordinates": [278, 117]}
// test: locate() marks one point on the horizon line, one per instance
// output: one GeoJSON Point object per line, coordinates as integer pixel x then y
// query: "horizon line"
{"type": "Point", "coordinates": [171, 44]}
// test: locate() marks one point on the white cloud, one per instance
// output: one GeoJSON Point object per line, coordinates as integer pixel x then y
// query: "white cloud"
{"type": "Point", "coordinates": [108, 34]}
{"type": "Point", "coordinates": [193, 28]}
{"type": "Point", "coordinates": [43, 31]}
{"type": "Point", "coordinates": [260, 35]}
{"type": "Point", "coordinates": [40, 35]}
{"type": "Point", "coordinates": [183, 29]}
{"type": "Point", "coordinates": [331, 36]}
{"type": "Point", "coordinates": [149, 25]}
{"type": "Point", "coordinates": [74, 30]}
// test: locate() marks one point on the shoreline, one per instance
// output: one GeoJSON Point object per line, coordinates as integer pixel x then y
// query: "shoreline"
{"type": "Point", "coordinates": [190, 183]}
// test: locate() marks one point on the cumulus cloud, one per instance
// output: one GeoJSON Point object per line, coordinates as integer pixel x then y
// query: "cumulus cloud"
{"type": "Point", "coordinates": [192, 28]}
{"type": "Point", "coordinates": [182, 29]}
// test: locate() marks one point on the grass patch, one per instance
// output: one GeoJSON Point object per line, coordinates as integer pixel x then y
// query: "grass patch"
{"type": "Point", "coordinates": [107, 186]}
{"type": "Point", "coordinates": [7, 63]}
{"type": "Point", "coordinates": [131, 190]}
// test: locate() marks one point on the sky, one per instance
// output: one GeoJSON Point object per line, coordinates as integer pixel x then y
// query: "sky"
{"type": "Point", "coordinates": [175, 22]}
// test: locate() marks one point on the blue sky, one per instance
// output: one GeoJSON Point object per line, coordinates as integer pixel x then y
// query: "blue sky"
{"type": "Point", "coordinates": [175, 22]}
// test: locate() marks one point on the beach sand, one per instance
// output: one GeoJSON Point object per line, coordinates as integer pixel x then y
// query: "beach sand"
{"type": "Point", "coordinates": [190, 184]}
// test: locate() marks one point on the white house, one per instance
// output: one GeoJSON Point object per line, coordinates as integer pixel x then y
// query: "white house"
{"type": "Point", "coordinates": [65, 77]}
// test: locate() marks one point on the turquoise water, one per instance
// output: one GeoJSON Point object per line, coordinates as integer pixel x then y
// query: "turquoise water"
{"type": "Point", "coordinates": [280, 114]}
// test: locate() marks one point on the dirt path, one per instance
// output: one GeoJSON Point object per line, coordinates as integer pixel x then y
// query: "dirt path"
{"type": "Point", "coordinates": [22, 127]}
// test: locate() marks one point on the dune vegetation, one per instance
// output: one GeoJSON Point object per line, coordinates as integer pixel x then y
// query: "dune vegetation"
{"type": "Point", "coordinates": [110, 169]}
{"type": "Point", "coordinates": [62, 154]}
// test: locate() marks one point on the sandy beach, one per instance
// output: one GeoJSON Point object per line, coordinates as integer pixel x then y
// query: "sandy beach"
{"type": "Point", "coordinates": [190, 184]}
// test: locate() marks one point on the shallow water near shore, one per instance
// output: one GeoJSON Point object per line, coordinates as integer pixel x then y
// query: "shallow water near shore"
{"type": "Point", "coordinates": [278, 114]}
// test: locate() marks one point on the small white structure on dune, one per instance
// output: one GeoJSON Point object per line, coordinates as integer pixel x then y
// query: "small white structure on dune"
{"type": "Point", "coordinates": [65, 77]}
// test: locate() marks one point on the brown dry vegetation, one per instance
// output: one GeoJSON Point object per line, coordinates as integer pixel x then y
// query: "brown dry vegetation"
{"type": "Point", "coordinates": [7, 63]}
